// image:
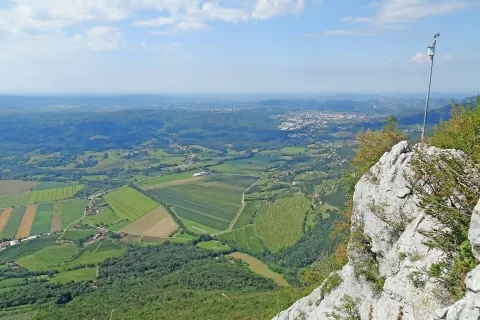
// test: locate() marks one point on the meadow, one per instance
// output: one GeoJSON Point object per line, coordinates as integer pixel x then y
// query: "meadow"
{"type": "Point", "coordinates": [252, 166]}
{"type": "Point", "coordinates": [247, 214]}
{"type": "Point", "coordinates": [79, 275]}
{"type": "Point", "coordinates": [14, 199]}
{"type": "Point", "coordinates": [211, 205]}
{"type": "Point", "coordinates": [52, 185]}
{"type": "Point", "coordinates": [213, 245]}
{"type": "Point", "coordinates": [280, 225]}
{"type": "Point", "coordinates": [260, 268]}
{"type": "Point", "coordinates": [96, 253]}
{"type": "Point", "coordinates": [156, 223]}
{"type": "Point", "coordinates": [43, 219]}
{"type": "Point", "coordinates": [74, 235]}
{"type": "Point", "coordinates": [129, 203]}
{"type": "Point", "coordinates": [48, 258]}
{"type": "Point", "coordinates": [72, 210]}
{"type": "Point", "coordinates": [50, 195]}
{"type": "Point", "coordinates": [11, 226]}
{"type": "Point", "coordinates": [197, 227]}
{"type": "Point", "coordinates": [106, 217]}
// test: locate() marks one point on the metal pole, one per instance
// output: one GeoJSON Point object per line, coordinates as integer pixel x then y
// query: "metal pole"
{"type": "Point", "coordinates": [426, 107]}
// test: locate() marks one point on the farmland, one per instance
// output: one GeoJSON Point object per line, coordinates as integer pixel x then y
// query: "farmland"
{"type": "Point", "coordinates": [10, 229]}
{"type": "Point", "coordinates": [72, 210]}
{"type": "Point", "coordinates": [281, 225]}
{"type": "Point", "coordinates": [15, 186]}
{"type": "Point", "coordinates": [247, 215]}
{"type": "Point", "coordinates": [43, 219]}
{"type": "Point", "coordinates": [166, 179]}
{"type": "Point", "coordinates": [197, 227]}
{"type": "Point", "coordinates": [48, 258]}
{"type": "Point", "coordinates": [245, 239]}
{"type": "Point", "coordinates": [27, 221]}
{"type": "Point", "coordinates": [260, 268]}
{"type": "Point", "coordinates": [57, 217]}
{"type": "Point", "coordinates": [107, 217]}
{"type": "Point", "coordinates": [79, 275]}
{"type": "Point", "coordinates": [50, 195]}
{"type": "Point", "coordinates": [14, 199]}
{"type": "Point", "coordinates": [5, 215]}
{"type": "Point", "coordinates": [96, 253]}
{"type": "Point", "coordinates": [25, 249]}
{"type": "Point", "coordinates": [52, 185]}
{"type": "Point", "coordinates": [212, 204]}
{"type": "Point", "coordinates": [74, 235]}
{"type": "Point", "coordinates": [129, 203]}
{"type": "Point", "coordinates": [156, 223]}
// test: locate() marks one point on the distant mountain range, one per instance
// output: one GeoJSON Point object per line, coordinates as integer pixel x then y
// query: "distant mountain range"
{"type": "Point", "coordinates": [434, 116]}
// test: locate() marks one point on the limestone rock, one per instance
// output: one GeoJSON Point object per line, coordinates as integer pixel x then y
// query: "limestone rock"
{"type": "Point", "coordinates": [387, 212]}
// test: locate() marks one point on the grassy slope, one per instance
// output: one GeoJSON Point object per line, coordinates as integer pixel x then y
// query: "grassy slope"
{"type": "Point", "coordinates": [72, 211]}
{"type": "Point", "coordinates": [129, 203]}
{"type": "Point", "coordinates": [48, 258]}
{"type": "Point", "coordinates": [13, 223]}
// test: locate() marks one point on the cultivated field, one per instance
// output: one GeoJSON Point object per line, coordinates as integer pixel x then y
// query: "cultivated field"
{"type": "Point", "coordinates": [14, 199]}
{"type": "Point", "coordinates": [243, 182]}
{"type": "Point", "coordinates": [212, 205]}
{"type": "Point", "coordinates": [52, 185]}
{"type": "Point", "coordinates": [280, 225]}
{"type": "Point", "coordinates": [56, 217]}
{"type": "Point", "coordinates": [247, 215]}
{"type": "Point", "coordinates": [156, 223]}
{"type": "Point", "coordinates": [107, 217]}
{"type": "Point", "coordinates": [27, 221]}
{"type": "Point", "coordinates": [260, 268]}
{"type": "Point", "coordinates": [167, 178]}
{"type": "Point", "coordinates": [173, 183]}
{"type": "Point", "coordinates": [48, 258]}
{"type": "Point", "coordinates": [50, 195]}
{"type": "Point", "coordinates": [96, 253]}
{"type": "Point", "coordinates": [15, 186]}
{"type": "Point", "coordinates": [25, 248]}
{"type": "Point", "coordinates": [75, 235]}
{"type": "Point", "coordinates": [245, 238]}
{"type": "Point", "coordinates": [72, 210]}
{"type": "Point", "coordinates": [252, 166]}
{"type": "Point", "coordinates": [129, 203]}
{"type": "Point", "coordinates": [42, 222]}
{"type": "Point", "coordinates": [4, 218]}
{"type": "Point", "coordinates": [10, 229]}
{"type": "Point", "coordinates": [197, 227]}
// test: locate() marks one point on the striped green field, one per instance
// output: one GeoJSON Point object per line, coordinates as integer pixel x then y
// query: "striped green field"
{"type": "Point", "coordinates": [50, 195]}
{"type": "Point", "coordinates": [245, 239]}
{"type": "Point", "coordinates": [43, 219]}
{"type": "Point", "coordinates": [248, 214]}
{"type": "Point", "coordinates": [79, 275]}
{"type": "Point", "coordinates": [10, 229]}
{"type": "Point", "coordinates": [167, 178]}
{"type": "Point", "coordinates": [14, 199]}
{"type": "Point", "coordinates": [212, 204]}
{"type": "Point", "coordinates": [72, 210]}
{"type": "Point", "coordinates": [48, 258]}
{"type": "Point", "coordinates": [129, 204]}
{"type": "Point", "coordinates": [26, 248]}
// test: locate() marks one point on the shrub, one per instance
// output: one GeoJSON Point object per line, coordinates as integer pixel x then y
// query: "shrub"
{"type": "Point", "coordinates": [333, 281]}
{"type": "Point", "coordinates": [348, 310]}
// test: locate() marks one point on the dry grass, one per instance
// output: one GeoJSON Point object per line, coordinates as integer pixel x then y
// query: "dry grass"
{"type": "Point", "coordinates": [15, 186]}
{"type": "Point", "coordinates": [260, 268]}
{"type": "Point", "coordinates": [4, 217]}
{"type": "Point", "coordinates": [27, 221]}
{"type": "Point", "coordinates": [156, 223]}
{"type": "Point", "coordinates": [57, 217]}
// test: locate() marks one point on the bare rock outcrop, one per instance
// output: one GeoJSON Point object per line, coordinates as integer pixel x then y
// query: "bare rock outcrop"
{"type": "Point", "coordinates": [386, 212]}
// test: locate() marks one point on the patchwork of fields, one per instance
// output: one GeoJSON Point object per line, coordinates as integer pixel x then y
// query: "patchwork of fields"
{"type": "Point", "coordinates": [156, 223]}
{"type": "Point", "coordinates": [272, 226]}
{"type": "Point", "coordinates": [129, 204]}
{"type": "Point", "coordinates": [212, 203]}
{"type": "Point", "coordinates": [21, 222]}
{"type": "Point", "coordinates": [49, 195]}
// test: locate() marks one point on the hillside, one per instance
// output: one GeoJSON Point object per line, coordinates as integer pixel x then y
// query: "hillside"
{"type": "Point", "coordinates": [392, 272]}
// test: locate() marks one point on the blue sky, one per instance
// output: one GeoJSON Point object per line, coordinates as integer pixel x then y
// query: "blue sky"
{"type": "Point", "coordinates": [192, 46]}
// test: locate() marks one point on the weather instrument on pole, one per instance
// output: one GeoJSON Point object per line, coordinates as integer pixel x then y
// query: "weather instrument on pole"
{"type": "Point", "coordinates": [431, 55]}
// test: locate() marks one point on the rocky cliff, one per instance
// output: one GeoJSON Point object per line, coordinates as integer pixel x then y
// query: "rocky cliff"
{"type": "Point", "coordinates": [389, 251]}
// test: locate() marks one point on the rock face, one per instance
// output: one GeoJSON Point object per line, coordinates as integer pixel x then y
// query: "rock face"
{"type": "Point", "coordinates": [385, 211]}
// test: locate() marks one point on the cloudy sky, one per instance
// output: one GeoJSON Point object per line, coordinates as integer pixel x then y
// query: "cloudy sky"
{"type": "Point", "coordinates": [170, 46]}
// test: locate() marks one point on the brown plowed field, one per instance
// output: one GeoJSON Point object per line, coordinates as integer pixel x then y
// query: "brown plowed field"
{"type": "Point", "coordinates": [15, 186]}
{"type": "Point", "coordinates": [174, 183]}
{"type": "Point", "coordinates": [4, 217]}
{"type": "Point", "coordinates": [26, 224]}
{"type": "Point", "coordinates": [57, 217]}
{"type": "Point", "coordinates": [156, 223]}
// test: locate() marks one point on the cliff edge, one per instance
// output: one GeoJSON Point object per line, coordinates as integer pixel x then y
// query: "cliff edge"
{"type": "Point", "coordinates": [387, 276]}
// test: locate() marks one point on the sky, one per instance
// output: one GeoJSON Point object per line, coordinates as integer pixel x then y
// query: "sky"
{"type": "Point", "coordinates": [237, 46]}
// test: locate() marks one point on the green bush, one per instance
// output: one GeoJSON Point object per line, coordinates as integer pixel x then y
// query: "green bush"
{"type": "Point", "coordinates": [332, 282]}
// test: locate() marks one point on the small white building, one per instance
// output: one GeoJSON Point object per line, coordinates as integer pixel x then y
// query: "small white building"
{"type": "Point", "coordinates": [14, 243]}
{"type": "Point", "coordinates": [203, 173]}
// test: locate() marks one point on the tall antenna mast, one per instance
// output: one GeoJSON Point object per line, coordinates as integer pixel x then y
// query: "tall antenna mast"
{"type": "Point", "coordinates": [431, 55]}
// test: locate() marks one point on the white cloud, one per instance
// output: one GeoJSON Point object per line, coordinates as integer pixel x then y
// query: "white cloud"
{"type": "Point", "coordinates": [158, 22]}
{"type": "Point", "coordinates": [420, 58]}
{"type": "Point", "coordinates": [266, 9]}
{"type": "Point", "coordinates": [98, 39]}
{"type": "Point", "coordinates": [341, 32]}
